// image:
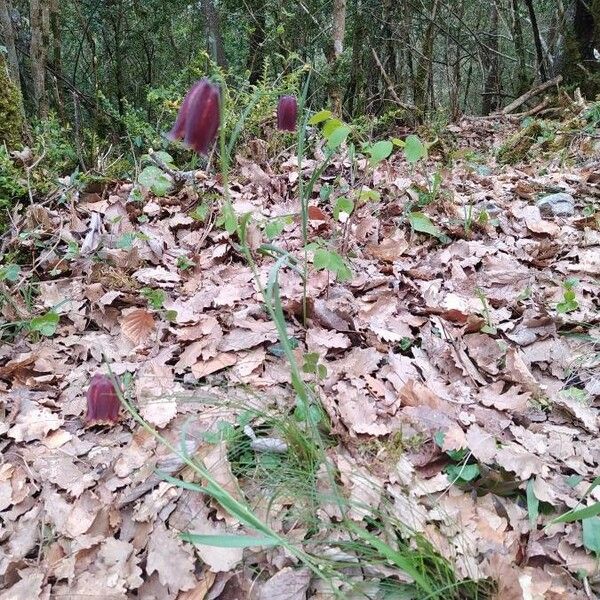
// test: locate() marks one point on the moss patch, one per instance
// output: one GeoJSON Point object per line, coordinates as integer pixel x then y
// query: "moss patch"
{"type": "Point", "coordinates": [11, 118]}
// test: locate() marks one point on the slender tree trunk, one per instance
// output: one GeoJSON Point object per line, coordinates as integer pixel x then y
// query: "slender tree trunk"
{"type": "Point", "coordinates": [39, 37]}
{"type": "Point", "coordinates": [539, 50]}
{"type": "Point", "coordinates": [491, 92]}
{"type": "Point", "coordinates": [213, 31]}
{"type": "Point", "coordinates": [337, 38]}
{"type": "Point", "coordinates": [522, 80]}
{"type": "Point", "coordinates": [8, 38]}
{"type": "Point", "coordinates": [424, 66]}
{"type": "Point", "coordinates": [56, 61]}
{"type": "Point", "coordinates": [356, 73]}
{"type": "Point", "coordinates": [256, 56]}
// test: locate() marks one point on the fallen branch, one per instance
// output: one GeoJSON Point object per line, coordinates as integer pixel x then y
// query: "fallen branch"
{"type": "Point", "coordinates": [536, 91]}
{"type": "Point", "coordinates": [178, 176]}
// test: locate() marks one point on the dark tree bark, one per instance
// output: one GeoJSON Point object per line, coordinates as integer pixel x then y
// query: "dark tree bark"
{"type": "Point", "coordinates": [213, 31]}
{"type": "Point", "coordinates": [256, 56]}
{"type": "Point", "coordinates": [356, 71]}
{"type": "Point", "coordinates": [522, 79]}
{"type": "Point", "coordinates": [424, 66]}
{"type": "Point", "coordinates": [539, 50]}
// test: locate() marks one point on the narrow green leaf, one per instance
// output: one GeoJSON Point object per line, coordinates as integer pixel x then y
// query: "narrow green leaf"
{"type": "Point", "coordinates": [576, 515]}
{"type": "Point", "coordinates": [533, 503]}
{"type": "Point", "coordinates": [229, 541]}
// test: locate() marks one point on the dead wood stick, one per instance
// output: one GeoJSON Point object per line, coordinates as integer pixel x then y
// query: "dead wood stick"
{"type": "Point", "coordinates": [390, 85]}
{"type": "Point", "coordinates": [531, 94]}
{"type": "Point", "coordinates": [179, 176]}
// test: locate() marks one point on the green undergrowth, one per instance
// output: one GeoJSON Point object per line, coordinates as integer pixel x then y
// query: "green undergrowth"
{"type": "Point", "coordinates": [355, 547]}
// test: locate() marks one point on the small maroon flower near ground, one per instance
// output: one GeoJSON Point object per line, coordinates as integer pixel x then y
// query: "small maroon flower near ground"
{"type": "Point", "coordinates": [287, 113]}
{"type": "Point", "coordinates": [103, 402]}
{"type": "Point", "coordinates": [199, 116]}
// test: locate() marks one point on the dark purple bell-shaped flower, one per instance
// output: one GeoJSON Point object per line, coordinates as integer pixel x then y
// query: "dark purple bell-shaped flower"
{"type": "Point", "coordinates": [199, 116]}
{"type": "Point", "coordinates": [103, 402]}
{"type": "Point", "coordinates": [287, 113]}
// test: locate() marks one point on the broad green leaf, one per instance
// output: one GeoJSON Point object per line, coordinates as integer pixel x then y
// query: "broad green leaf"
{"type": "Point", "coordinates": [591, 534]}
{"type": "Point", "coordinates": [9, 272]}
{"type": "Point", "coordinates": [343, 205]}
{"type": "Point", "coordinates": [319, 117]}
{"type": "Point", "coordinates": [324, 259]}
{"type": "Point", "coordinates": [367, 194]}
{"type": "Point", "coordinates": [164, 157]}
{"type": "Point", "coordinates": [414, 149]}
{"type": "Point", "coordinates": [229, 541]}
{"type": "Point", "coordinates": [330, 127]}
{"type": "Point", "coordinates": [126, 241]}
{"type": "Point", "coordinates": [380, 151]}
{"type": "Point", "coordinates": [274, 227]}
{"type": "Point", "coordinates": [421, 222]}
{"type": "Point", "coordinates": [337, 138]}
{"type": "Point", "coordinates": [462, 473]}
{"type": "Point", "coordinates": [45, 324]}
{"type": "Point", "coordinates": [398, 142]}
{"type": "Point", "coordinates": [154, 179]}
{"type": "Point", "coordinates": [200, 212]}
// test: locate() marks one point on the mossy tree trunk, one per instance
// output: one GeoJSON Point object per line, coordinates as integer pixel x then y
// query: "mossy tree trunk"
{"type": "Point", "coordinates": [579, 65]}
{"type": "Point", "coordinates": [11, 108]}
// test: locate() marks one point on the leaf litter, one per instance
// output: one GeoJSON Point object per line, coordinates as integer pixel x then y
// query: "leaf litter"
{"type": "Point", "coordinates": [434, 349]}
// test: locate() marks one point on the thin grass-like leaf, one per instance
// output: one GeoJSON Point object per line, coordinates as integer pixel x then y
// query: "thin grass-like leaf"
{"type": "Point", "coordinates": [229, 540]}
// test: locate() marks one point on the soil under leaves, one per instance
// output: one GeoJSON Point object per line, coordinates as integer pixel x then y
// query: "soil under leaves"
{"type": "Point", "coordinates": [431, 347]}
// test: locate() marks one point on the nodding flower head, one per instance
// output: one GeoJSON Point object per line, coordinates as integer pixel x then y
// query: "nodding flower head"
{"type": "Point", "coordinates": [103, 402]}
{"type": "Point", "coordinates": [199, 116]}
{"type": "Point", "coordinates": [287, 113]}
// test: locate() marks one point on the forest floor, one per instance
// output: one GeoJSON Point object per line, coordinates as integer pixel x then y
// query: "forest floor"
{"type": "Point", "coordinates": [460, 384]}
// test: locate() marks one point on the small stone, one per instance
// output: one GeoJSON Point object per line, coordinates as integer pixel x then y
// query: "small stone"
{"type": "Point", "coordinates": [558, 205]}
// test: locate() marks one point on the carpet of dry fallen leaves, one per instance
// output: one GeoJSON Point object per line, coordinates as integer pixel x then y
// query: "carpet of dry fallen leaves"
{"type": "Point", "coordinates": [83, 514]}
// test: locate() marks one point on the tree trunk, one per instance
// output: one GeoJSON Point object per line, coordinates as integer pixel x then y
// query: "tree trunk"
{"type": "Point", "coordinates": [582, 35]}
{"type": "Point", "coordinates": [256, 56]}
{"type": "Point", "coordinates": [356, 73]}
{"type": "Point", "coordinates": [39, 37]}
{"type": "Point", "coordinates": [337, 38]}
{"type": "Point", "coordinates": [522, 80]}
{"type": "Point", "coordinates": [213, 33]}
{"type": "Point", "coordinates": [539, 51]}
{"type": "Point", "coordinates": [424, 67]}
{"type": "Point", "coordinates": [491, 91]}
{"type": "Point", "coordinates": [56, 61]}
{"type": "Point", "coordinates": [8, 38]}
